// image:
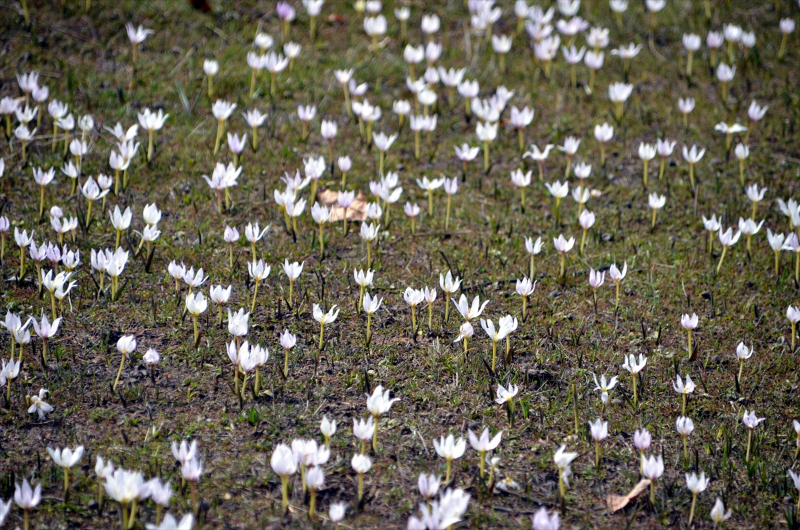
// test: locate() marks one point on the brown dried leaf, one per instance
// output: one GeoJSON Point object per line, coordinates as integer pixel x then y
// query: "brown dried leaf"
{"type": "Point", "coordinates": [356, 212]}
{"type": "Point", "coordinates": [617, 502]}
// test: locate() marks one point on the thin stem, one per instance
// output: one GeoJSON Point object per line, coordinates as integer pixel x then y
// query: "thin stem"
{"type": "Point", "coordinates": [119, 372]}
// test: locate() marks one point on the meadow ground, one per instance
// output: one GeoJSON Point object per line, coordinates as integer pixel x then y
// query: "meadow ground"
{"type": "Point", "coordinates": [85, 60]}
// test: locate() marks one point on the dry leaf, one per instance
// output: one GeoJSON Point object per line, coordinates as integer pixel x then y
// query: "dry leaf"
{"type": "Point", "coordinates": [356, 212]}
{"type": "Point", "coordinates": [617, 502]}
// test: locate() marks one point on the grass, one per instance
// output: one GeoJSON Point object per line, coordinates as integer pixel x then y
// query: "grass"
{"type": "Point", "coordinates": [85, 61]}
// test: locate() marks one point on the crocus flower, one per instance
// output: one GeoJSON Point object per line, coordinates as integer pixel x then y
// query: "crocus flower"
{"type": "Point", "coordinates": [653, 469]}
{"type": "Point", "coordinates": [684, 389]}
{"type": "Point", "coordinates": [324, 318]}
{"type": "Point", "coordinates": [46, 330]}
{"type": "Point", "coordinates": [618, 93]}
{"type": "Point", "coordinates": [655, 202]}
{"type": "Point", "coordinates": [136, 36]}
{"type": "Point", "coordinates": [728, 239]}
{"type": "Point", "coordinates": [378, 404]}
{"type": "Point", "coordinates": [27, 498]}
{"type": "Point", "coordinates": [151, 122]}
{"type": "Point", "coordinates": [685, 427]}
{"type": "Point", "coordinates": [533, 248]}
{"type": "Point", "coordinates": [596, 280]}
{"type": "Point", "coordinates": [617, 275]}
{"type": "Point", "coordinates": [793, 315]}
{"type": "Point", "coordinates": [486, 132]}
{"type": "Point", "coordinates": [599, 431]}
{"type": "Point", "coordinates": [525, 288]}
{"type": "Point", "coordinates": [196, 304]}
{"type": "Point", "coordinates": [284, 465]}
{"type": "Point", "coordinates": [558, 191]}
{"type": "Point", "coordinates": [483, 445]}
{"type": "Point", "coordinates": [718, 513]}
{"type": "Point", "coordinates": [125, 346]}
{"type": "Point", "coordinates": [563, 246]}
{"type": "Point", "coordinates": [288, 342]}
{"type": "Point", "coordinates": [65, 459]}
{"type": "Point", "coordinates": [634, 368]}
{"type": "Point", "coordinates": [505, 396]}
{"type": "Point", "coordinates": [642, 439]}
{"type": "Point", "coordinates": [751, 421]}
{"type": "Point", "coordinates": [563, 459]}
{"type": "Point", "coordinates": [543, 521]}
{"type": "Point", "coordinates": [603, 134]}
{"type": "Point", "coordinates": [361, 464]}
{"type": "Point", "coordinates": [539, 156]}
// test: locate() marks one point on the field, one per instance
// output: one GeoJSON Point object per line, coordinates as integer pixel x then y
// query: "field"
{"type": "Point", "coordinates": [565, 339]}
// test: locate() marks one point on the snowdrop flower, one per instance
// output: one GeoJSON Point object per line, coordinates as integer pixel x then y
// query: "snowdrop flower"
{"type": "Point", "coordinates": [430, 186]}
{"type": "Point", "coordinates": [274, 63]}
{"type": "Point", "coordinates": [151, 358]}
{"type": "Point", "coordinates": [729, 131]}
